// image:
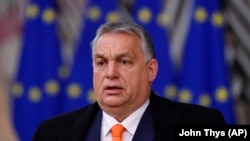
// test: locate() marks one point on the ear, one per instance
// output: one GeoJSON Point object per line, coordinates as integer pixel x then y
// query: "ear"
{"type": "Point", "coordinates": [152, 69]}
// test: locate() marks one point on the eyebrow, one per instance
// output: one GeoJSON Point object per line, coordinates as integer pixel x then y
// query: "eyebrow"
{"type": "Point", "coordinates": [125, 54]}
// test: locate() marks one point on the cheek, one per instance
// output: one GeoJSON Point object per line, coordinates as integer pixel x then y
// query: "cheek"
{"type": "Point", "coordinates": [138, 81]}
{"type": "Point", "coordinates": [98, 75]}
{"type": "Point", "coordinates": [97, 80]}
{"type": "Point", "coordinates": [97, 85]}
{"type": "Point", "coordinates": [133, 79]}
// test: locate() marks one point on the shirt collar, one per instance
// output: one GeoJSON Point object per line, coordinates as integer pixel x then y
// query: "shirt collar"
{"type": "Point", "coordinates": [130, 123]}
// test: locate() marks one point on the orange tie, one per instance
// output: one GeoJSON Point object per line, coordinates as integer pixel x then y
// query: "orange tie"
{"type": "Point", "coordinates": [116, 132]}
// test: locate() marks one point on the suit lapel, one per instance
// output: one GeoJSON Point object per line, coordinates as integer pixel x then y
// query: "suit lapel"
{"type": "Point", "coordinates": [145, 129]}
{"type": "Point", "coordinates": [94, 132]}
{"type": "Point", "coordinates": [79, 128]}
{"type": "Point", "coordinates": [164, 118]}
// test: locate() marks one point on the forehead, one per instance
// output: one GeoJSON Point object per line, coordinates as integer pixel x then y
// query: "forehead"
{"type": "Point", "coordinates": [118, 41]}
{"type": "Point", "coordinates": [113, 37]}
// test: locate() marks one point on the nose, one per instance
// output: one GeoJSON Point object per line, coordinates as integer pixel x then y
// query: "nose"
{"type": "Point", "coordinates": [112, 71]}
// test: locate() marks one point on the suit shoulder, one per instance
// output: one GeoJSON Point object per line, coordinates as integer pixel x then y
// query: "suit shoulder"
{"type": "Point", "coordinates": [191, 113]}
{"type": "Point", "coordinates": [52, 125]}
{"type": "Point", "coordinates": [200, 114]}
{"type": "Point", "coordinates": [70, 117]}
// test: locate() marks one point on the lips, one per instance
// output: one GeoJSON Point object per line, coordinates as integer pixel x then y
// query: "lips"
{"type": "Point", "coordinates": [113, 89]}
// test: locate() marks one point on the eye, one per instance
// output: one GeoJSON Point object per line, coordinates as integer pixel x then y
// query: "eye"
{"type": "Point", "coordinates": [100, 63]}
{"type": "Point", "coordinates": [124, 62]}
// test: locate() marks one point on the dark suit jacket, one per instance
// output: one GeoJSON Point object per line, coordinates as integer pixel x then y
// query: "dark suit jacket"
{"type": "Point", "coordinates": [166, 115]}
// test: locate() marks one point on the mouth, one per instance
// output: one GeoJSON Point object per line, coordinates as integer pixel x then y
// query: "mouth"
{"type": "Point", "coordinates": [113, 90]}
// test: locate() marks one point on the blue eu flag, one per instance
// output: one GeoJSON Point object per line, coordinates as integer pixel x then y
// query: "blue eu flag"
{"type": "Point", "coordinates": [150, 15]}
{"type": "Point", "coordinates": [79, 90]}
{"type": "Point", "coordinates": [204, 77]}
{"type": "Point", "coordinates": [37, 86]}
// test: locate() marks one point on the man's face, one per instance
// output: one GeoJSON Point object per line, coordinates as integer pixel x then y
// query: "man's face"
{"type": "Point", "coordinates": [122, 77]}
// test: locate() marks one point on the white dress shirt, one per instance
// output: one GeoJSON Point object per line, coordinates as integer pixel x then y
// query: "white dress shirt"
{"type": "Point", "coordinates": [130, 123]}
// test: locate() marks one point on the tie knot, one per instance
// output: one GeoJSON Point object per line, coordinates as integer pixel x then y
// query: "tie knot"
{"type": "Point", "coordinates": [117, 130]}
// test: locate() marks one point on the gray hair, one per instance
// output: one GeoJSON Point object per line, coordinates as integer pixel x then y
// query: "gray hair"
{"type": "Point", "coordinates": [127, 27]}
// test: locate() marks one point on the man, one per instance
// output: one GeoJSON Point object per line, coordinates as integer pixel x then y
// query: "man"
{"type": "Point", "coordinates": [124, 68]}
